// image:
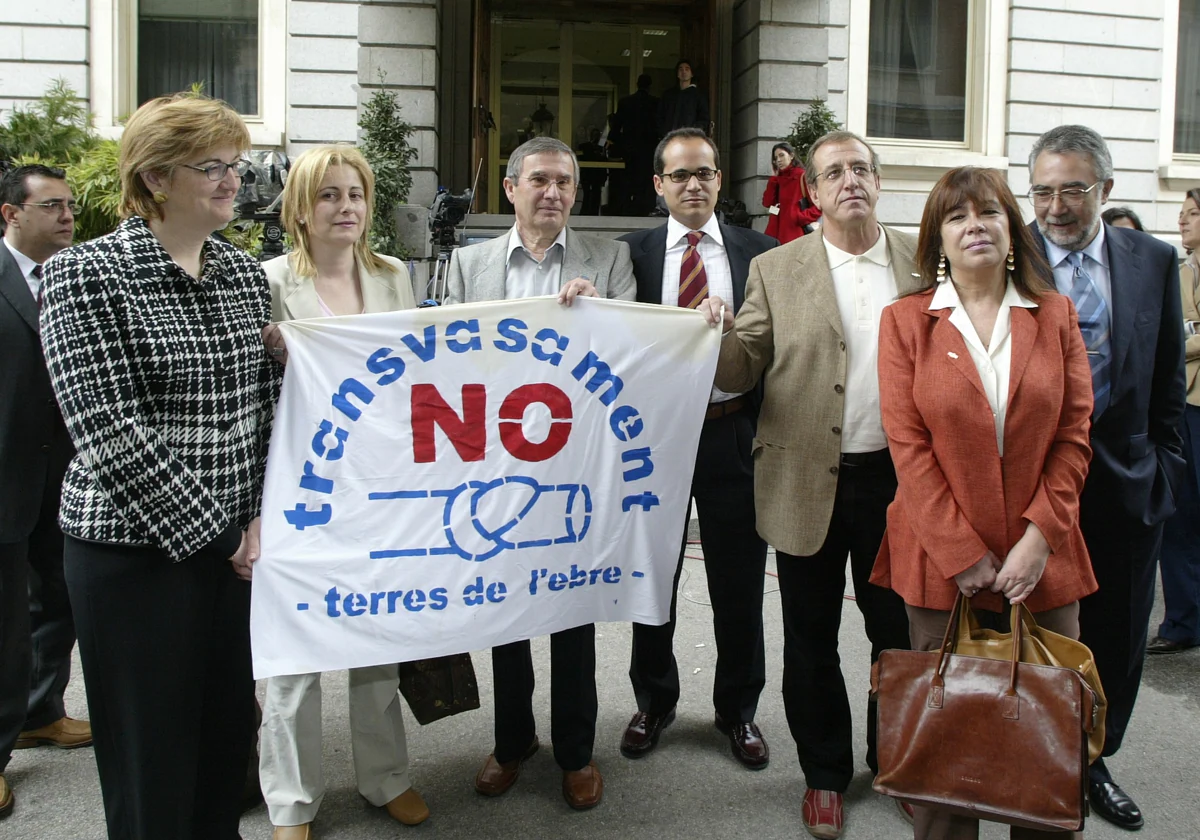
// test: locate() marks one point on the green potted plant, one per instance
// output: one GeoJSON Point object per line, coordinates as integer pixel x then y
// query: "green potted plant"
{"type": "Point", "coordinates": [811, 124]}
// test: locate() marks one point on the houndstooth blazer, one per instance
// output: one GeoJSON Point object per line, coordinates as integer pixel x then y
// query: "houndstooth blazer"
{"type": "Point", "coordinates": [165, 388]}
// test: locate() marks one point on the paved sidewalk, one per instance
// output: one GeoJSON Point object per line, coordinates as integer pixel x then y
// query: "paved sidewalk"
{"type": "Point", "coordinates": [690, 787]}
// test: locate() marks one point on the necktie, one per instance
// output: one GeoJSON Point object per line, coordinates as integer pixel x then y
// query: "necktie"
{"type": "Point", "coordinates": [1094, 323]}
{"type": "Point", "coordinates": [37, 272]}
{"type": "Point", "coordinates": [693, 281]}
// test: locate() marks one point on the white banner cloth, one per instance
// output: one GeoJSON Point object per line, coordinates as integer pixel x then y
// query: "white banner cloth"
{"type": "Point", "coordinates": [450, 479]}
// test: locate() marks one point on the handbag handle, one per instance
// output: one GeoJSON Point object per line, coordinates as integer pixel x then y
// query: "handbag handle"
{"type": "Point", "coordinates": [937, 689]}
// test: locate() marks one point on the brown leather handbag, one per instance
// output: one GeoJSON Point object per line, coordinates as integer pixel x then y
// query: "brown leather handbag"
{"type": "Point", "coordinates": [994, 739]}
{"type": "Point", "coordinates": [439, 687]}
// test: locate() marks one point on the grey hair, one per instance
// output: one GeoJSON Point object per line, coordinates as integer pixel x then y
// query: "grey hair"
{"type": "Point", "coordinates": [538, 146]}
{"type": "Point", "coordinates": [839, 136]}
{"type": "Point", "coordinates": [1077, 139]}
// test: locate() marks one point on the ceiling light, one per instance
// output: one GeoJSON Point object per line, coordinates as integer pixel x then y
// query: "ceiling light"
{"type": "Point", "coordinates": [625, 53]}
{"type": "Point", "coordinates": [646, 53]}
{"type": "Point", "coordinates": [654, 32]}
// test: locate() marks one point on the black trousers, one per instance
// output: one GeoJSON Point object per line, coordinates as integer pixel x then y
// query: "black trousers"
{"type": "Point", "coordinates": [166, 661]}
{"type": "Point", "coordinates": [1114, 620]}
{"type": "Point", "coordinates": [37, 631]}
{"type": "Point", "coordinates": [735, 558]}
{"type": "Point", "coordinates": [811, 590]}
{"type": "Point", "coordinates": [573, 703]}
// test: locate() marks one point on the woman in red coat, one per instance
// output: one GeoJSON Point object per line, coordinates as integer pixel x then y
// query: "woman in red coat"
{"type": "Point", "coordinates": [787, 196]}
{"type": "Point", "coordinates": [986, 395]}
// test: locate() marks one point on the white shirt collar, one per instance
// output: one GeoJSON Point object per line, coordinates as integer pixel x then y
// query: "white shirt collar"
{"type": "Point", "coordinates": [877, 253]}
{"type": "Point", "coordinates": [1095, 250]}
{"type": "Point", "coordinates": [676, 231]}
{"type": "Point", "coordinates": [945, 296]}
{"type": "Point", "coordinates": [514, 242]}
{"type": "Point", "coordinates": [23, 262]}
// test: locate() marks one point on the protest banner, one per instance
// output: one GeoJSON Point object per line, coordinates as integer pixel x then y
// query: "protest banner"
{"type": "Point", "coordinates": [450, 479]}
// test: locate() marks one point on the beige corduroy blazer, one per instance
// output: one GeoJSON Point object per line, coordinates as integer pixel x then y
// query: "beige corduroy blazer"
{"type": "Point", "coordinates": [294, 297]}
{"type": "Point", "coordinates": [789, 332]}
{"type": "Point", "coordinates": [1191, 312]}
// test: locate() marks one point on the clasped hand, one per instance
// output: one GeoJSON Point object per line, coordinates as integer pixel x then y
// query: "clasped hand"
{"type": "Point", "coordinates": [248, 551]}
{"type": "Point", "coordinates": [1016, 576]}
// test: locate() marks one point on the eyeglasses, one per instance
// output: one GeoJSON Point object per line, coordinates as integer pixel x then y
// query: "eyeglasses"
{"type": "Point", "coordinates": [836, 173]}
{"type": "Point", "coordinates": [541, 182]}
{"type": "Point", "coordinates": [216, 171]}
{"type": "Point", "coordinates": [1071, 196]}
{"type": "Point", "coordinates": [55, 207]}
{"type": "Point", "coordinates": [682, 176]}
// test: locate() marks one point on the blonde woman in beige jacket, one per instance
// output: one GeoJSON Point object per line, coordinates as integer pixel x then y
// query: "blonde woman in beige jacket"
{"type": "Point", "coordinates": [332, 271]}
{"type": "Point", "coordinates": [1179, 562]}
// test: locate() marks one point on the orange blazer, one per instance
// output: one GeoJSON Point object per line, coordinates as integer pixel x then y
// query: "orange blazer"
{"type": "Point", "coordinates": [957, 497]}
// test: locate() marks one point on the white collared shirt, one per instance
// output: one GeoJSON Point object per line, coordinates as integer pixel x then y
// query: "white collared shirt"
{"type": "Point", "coordinates": [27, 266]}
{"type": "Point", "coordinates": [716, 269]}
{"type": "Point", "coordinates": [864, 285]}
{"type": "Point", "coordinates": [994, 361]}
{"type": "Point", "coordinates": [1095, 263]}
{"type": "Point", "coordinates": [525, 275]}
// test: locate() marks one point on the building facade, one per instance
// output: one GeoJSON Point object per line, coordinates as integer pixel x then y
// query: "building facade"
{"type": "Point", "coordinates": [933, 83]}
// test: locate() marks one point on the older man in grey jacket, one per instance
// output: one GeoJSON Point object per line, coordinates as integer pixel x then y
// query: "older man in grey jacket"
{"type": "Point", "coordinates": [542, 256]}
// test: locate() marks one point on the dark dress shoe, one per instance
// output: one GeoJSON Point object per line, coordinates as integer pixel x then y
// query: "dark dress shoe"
{"type": "Point", "coordinates": [746, 742]}
{"type": "Point", "coordinates": [495, 778]}
{"type": "Point", "coordinates": [641, 736]}
{"type": "Point", "coordinates": [1114, 804]}
{"type": "Point", "coordinates": [1160, 645]}
{"type": "Point", "coordinates": [583, 788]}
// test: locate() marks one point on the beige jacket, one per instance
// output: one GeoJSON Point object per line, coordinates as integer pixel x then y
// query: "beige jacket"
{"type": "Point", "coordinates": [789, 332]}
{"type": "Point", "coordinates": [294, 297]}
{"type": "Point", "coordinates": [1191, 312]}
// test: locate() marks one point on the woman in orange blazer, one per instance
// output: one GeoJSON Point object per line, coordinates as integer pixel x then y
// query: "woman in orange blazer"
{"type": "Point", "coordinates": [986, 395]}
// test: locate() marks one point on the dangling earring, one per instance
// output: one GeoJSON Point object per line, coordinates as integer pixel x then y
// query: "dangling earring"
{"type": "Point", "coordinates": [941, 269]}
{"type": "Point", "coordinates": [159, 197]}
{"type": "Point", "coordinates": [1011, 262]}
{"type": "Point", "coordinates": [302, 222]}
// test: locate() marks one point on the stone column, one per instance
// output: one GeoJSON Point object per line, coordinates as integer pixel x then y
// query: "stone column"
{"type": "Point", "coordinates": [784, 58]}
{"type": "Point", "coordinates": [401, 41]}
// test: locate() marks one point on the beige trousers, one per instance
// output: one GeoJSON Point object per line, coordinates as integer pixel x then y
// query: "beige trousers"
{"type": "Point", "coordinates": [925, 630]}
{"type": "Point", "coordinates": [289, 763]}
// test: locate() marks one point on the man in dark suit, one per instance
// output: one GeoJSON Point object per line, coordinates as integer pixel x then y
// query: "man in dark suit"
{"type": "Point", "coordinates": [680, 264]}
{"type": "Point", "coordinates": [1125, 285]}
{"type": "Point", "coordinates": [635, 135]}
{"type": "Point", "coordinates": [36, 629]}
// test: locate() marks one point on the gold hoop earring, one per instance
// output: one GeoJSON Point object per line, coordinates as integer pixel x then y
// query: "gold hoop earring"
{"type": "Point", "coordinates": [159, 197]}
{"type": "Point", "coordinates": [941, 269]}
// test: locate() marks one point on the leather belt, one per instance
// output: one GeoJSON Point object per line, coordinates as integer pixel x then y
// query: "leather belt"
{"type": "Point", "coordinates": [866, 459]}
{"type": "Point", "coordinates": [720, 409]}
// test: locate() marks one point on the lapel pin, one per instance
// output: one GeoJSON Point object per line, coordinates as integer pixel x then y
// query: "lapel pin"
{"type": "Point", "coordinates": [952, 355]}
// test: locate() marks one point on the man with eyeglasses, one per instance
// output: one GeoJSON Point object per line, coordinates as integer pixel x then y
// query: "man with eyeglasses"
{"type": "Point", "coordinates": [823, 478]}
{"type": "Point", "coordinates": [37, 632]}
{"type": "Point", "coordinates": [1125, 285]}
{"type": "Point", "coordinates": [540, 255]}
{"type": "Point", "coordinates": [681, 263]}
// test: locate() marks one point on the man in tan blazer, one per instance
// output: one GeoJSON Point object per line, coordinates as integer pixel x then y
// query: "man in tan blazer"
{"type": "Point", "coordinates": [822, 474]}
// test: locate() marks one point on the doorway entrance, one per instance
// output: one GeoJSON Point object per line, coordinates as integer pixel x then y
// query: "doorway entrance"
{"type": "Point", "coordinates": [563, 78]}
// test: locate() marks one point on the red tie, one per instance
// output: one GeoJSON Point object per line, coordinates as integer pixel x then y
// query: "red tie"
{"type": "Point", "coordinates": [693, 281]}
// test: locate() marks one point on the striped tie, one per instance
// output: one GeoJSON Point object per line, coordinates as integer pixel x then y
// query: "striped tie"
{"type": "Point", "coordinates": [693, 280]}
{"type": "Point", "coordinates": [37, 272]}
{"type": "Point", "coordinates": [1094, 323]}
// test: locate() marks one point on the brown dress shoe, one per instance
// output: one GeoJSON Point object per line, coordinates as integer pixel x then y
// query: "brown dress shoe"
{"type": "Point", "coordinates": [641, 736]}
{"type": "Point", "coordinates": [66, 734]}
{"type": "Point", "coordinates": [408, 808]}
{"type": "Point", "coordinates": [584, 788]}
{"type": "Point", "coordinates": [7, 799]}
{"type": "Point", "coordinates": [747, 743]}
{"type": "Point", "coordinates": [494, 778]}
{"type": "Point", "coordinates": [292, 832]}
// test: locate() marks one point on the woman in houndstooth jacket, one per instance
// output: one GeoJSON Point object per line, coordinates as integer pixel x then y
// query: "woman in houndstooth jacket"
{"type": "Point", "coordinates": [152, 338]}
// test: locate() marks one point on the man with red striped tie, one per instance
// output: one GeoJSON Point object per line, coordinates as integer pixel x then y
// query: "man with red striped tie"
{"type": "Point", "coordinates": [823, 477]}
{"type": "Point", "coordinates": [682, 263]}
